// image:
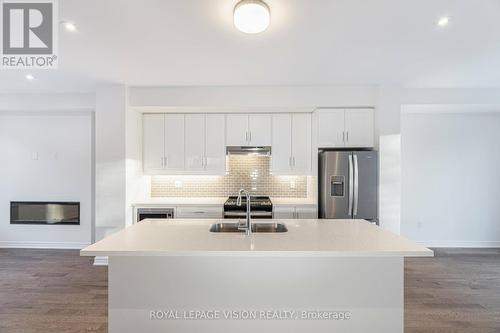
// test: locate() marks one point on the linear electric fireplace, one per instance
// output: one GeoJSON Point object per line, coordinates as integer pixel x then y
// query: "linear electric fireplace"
{"type": "Point", "coordinates": [41, 212]}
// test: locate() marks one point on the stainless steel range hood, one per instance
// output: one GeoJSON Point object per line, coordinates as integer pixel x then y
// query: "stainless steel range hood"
{"type": "Point", "coordinates": [247, 150]}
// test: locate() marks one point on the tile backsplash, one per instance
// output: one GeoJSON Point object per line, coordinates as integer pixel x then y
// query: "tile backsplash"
{"type": "Point", "coordinates": [249, 172]}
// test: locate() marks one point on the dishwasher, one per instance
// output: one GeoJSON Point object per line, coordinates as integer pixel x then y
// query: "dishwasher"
{"type": "Point", "coordinates": [155, 213]}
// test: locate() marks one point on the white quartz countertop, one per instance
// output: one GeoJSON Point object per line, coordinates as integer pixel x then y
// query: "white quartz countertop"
{"type": "Point", "coordinates": [178, 237]}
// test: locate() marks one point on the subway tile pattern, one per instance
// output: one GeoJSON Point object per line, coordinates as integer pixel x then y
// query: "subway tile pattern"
{"type": "Point", "coordinates": [249, 172]}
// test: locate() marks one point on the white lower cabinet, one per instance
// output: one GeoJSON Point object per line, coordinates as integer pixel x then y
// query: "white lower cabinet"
{"type": "Point", "coordinates": [198, 212]}
{"type": "Point", "coordinates": [295, 212]}
{"type": "Point", "coordinates": [283, 212]}
{"type": "Point", "coordinates": [306, 212]}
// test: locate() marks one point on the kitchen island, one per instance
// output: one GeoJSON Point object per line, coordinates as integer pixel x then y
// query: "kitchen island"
{"type": "Point", "coordinates": [319, 276]}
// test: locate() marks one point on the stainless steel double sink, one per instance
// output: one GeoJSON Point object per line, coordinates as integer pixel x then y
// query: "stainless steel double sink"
{"type": "Point", "coordinates": [265, 227]}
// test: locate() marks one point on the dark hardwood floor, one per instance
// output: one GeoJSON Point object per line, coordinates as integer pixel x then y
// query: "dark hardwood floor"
{"type": "Point", "coordinates": [58, 291]}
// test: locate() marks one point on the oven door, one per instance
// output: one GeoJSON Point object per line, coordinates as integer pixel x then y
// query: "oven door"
{"type": "Point", "coordinates": [255, 214]}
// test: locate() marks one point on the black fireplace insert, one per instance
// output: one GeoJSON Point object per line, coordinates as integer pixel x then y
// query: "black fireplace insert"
{"type": "Point", "coordinates": [44, 212]}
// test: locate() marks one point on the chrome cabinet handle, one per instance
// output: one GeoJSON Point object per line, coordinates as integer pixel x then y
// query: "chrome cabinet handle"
{"type": "Point", "coordinates": [290, 161]}
{"type": "Point", "coordinates": [161, 161]}
{"type": "Point", "coordinates": [343, 136]}
{"type": "Point", "coordinates": [250, 136]}
{"type": "Point", "coordinates": [293, 160]}
{"type": "Point", "coordinates": [347, 135]}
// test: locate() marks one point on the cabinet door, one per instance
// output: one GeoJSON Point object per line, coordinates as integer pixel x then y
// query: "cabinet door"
{"type": "Point", "coordinates": [283, 212]}
{"type": "Point", "coordinates": [174, 142]}
{"type": "Point", "coordinates": [281, 150]}
{"type": "Point", "coordinates": [153, 141]}
{"type": "Point", "coordinates": [303, 212]}
{"type": "Point", "coordinates": [215, 145]}
{"type": "Point", "coordinates": [331, 128]}
{"type": "Point", "coordinates": [301, 144]}
{"type": "Point", "coordinates": [199, 212]}
{"type": "Point", "coordinates": [195, 142]}
{"type": "Point", "coordinates": [359, 125]}
{"type": "Point", "coordinates": [237, 130]}
{"type": "Point", "coordinates": [260, 129]}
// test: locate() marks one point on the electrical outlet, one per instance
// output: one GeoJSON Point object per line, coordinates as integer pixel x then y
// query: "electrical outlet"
{"type": "Point", "coordinates": [419, 224]}
{"type": "Point", "coordinates": [34, 156]}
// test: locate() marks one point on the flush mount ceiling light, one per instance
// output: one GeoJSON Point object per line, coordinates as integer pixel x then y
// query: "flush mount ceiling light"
{"type": "Point", "coordinates": [443, 21]}
{"type": "Point", "coordinates": [251, 16]}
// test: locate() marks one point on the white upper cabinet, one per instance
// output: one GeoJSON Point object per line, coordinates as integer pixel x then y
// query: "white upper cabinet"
{"type": "Point", "coordinates": [259, 130]}
{"type": "Point", "coordinates": [331, 128]}
{"type": "Point", "coordinates": [195, 142]}
{"type": "Point", "coordinates": [301, 143]}
{"type": "Point", "coordinates": [349, 128]}
{"type": "Point", "coordinates": [153, 142]}
{"type": "Point", "coordinates": [281, 149]}
{"type": "Point", "coordinates": [237, 130]}
{"type": "Point", "coordinates": [248, 130]}
{"type": "Point", "coordinates": [215, 145]}
{"type": "Point", "coordinates": [291, 144]}
{"type": "Point", "coordinates": [184, 144]}
{"type": "Point", "coordinates": [174, 142]}
{"type": "Point", "coordinates": [359, 127]}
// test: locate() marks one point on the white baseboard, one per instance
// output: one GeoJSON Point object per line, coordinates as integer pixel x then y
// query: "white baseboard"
{"type": "Point", "coordinates": [466, 244]}
{"type": "Point", "coordinates": [101, 261]}
{"type": "Point", "coordinates": [43, 245]}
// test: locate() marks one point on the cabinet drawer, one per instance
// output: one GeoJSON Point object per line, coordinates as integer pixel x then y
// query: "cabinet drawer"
{"type": "Point", "coordinates": [199, 212]}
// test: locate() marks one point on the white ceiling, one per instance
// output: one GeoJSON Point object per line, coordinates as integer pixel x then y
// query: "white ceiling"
{"type": "Point", "coordinates": [309, 42]}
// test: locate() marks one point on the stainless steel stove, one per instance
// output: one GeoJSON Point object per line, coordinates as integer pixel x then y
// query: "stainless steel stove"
{"type": "Point", "coordinates": [261, 208]}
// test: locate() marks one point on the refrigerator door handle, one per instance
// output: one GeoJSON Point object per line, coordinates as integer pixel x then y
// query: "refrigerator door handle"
{"type": "Point", "coordinates": [351, 185]}
{"type": "Point", "coordinates": [356, 186]}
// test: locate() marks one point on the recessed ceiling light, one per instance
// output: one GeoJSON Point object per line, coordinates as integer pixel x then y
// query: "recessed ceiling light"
{"type": "Point", "coordinates": [29, 77]}
{"type": "Point", "coordinates": [443, 21]}
{"type": "Point", "coordinates": [69, 26]}
{"type": "Point", "coordinates": [251, 16]}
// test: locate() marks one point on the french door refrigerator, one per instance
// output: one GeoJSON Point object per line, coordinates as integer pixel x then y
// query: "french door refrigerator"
{"type": "Point", "coordinates": [348, 185]}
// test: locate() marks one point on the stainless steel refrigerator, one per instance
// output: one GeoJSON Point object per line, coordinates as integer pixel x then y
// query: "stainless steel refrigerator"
{"type": "Point", "coordinates": [348, 185]}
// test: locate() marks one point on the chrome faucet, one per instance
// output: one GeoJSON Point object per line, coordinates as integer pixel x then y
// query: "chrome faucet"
{"type": "Point", "coordinates": [248, 223]}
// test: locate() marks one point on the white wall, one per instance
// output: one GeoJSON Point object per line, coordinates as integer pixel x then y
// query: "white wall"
{"type": "Point", "coordinates": [110, 166]}
{"type": "Point", "coordinates": [388, 125]}
{"type": "Point", "coordinates": [390, 182]}
{"type": "Point", "coordinates": [62, 172]}
{"type": "Point", "coordinates": [450, 175]}
{"type": "Point", "coordinates": [254, 97]}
